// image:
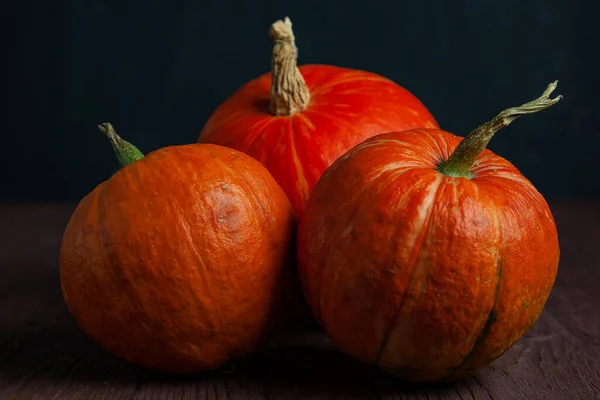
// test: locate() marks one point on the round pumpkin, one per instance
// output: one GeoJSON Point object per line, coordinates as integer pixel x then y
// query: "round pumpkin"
{"type": "Point", "coordinates": [426, 254]}
{"type": "Point", "coordinates": [298, 120]}
{"type": "Point", "coordinates": [179, 262]}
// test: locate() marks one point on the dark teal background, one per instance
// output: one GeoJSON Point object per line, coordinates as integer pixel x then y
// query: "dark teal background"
{"type": "Point", "coordinates": [156, 70]}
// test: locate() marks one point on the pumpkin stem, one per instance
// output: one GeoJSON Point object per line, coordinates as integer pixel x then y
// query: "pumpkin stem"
{"type": "Point", "coordinates": [465, 154]}
{"type": "Point", "coordinates": [125, 151]}
{"type": "Point", "coordinates": [289, 93]}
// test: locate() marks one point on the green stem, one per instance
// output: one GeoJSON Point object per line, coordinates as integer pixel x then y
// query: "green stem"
{"type": "Point", "coordinates": [125, 151]}
{"type": "Point", "coordinates": [461, 160]}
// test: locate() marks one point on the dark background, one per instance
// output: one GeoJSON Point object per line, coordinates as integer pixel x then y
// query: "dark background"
{"type": "Point", "coordinates": [156, 70]}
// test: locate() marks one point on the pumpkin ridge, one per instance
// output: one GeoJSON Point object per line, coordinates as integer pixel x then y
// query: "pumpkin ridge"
{"type": "Point", "coordinates": [200, 268]}
{"type": "Point", "coordinates": [401, 303]}
{"type": "Point", "coordinates": [319, 300]}
{"type": "Point", "coordinates": [357, 204]}
{"type": "Point", "coordinates": [307, 122]}
{"type": "Point", "coordinates": [255, 131]}
{"type": "Point", "coordinates": [119, 275]}
{"type": "Point", "coordinates": [492, 316]}
{"type": "Point", "coordinates": [301, 182]}
{"type": "Point", "coordinates": [155, 172]}
{"type": "Point", "coordinates": [351, 78]}
{"type": "Point", "coordinates": [438, 154]}
{"type": "Point", "coordinates": [333, 117]}
{"type": "Point", "coordinates": [510, 177]}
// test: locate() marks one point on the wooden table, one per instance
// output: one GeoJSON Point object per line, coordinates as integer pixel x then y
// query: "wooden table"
{"type": "Point", "coordinates": [43, 354]}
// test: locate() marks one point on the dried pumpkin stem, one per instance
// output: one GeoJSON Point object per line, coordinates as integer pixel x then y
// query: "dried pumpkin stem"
{"type": "Point", "coordinates": [289, 93]}
{"type": "Point", "coordinates": [461, 160]}
{"type": "Point", "coordinates": [125, 151]}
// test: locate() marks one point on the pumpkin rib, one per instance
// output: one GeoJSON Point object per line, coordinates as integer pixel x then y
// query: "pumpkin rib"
{"type": "Point", "coordinates": [105, 235]}
{"type": "Point", "coordinates": [431, 147]}
{"type": "Point", "coordinates": [509, 177]}
{"type": "Point", "coordinates": [344, 80]}
{"type": "Point", "coordinates": [201, 270]}
{"type": "Point", "coordinates": [111, 260]}
{"type": "Point", "coordinates": [202, 267]}
{"type": "Point", "coordinates": [261, 210]}
{"type": "Point", "coordinates": [256, 130]}
{"type": "Point", "coordinates": [256, 209]}
{"type": "Point", "coordinates": [332, 117]}
{"type": "Point", "coordinates": [401, 303]}
{"type": "Point", "coordinates": [175, 208]}
{"type": "Point", "coordinates": [307, 123]}
{"type": "Point", "coordinates": [492, 316]}
{"type": "Point", "coordinates": [322, 270]}
{"type": "Point", "coordinates": [372, 180]}
{"type": "Point", "coordinates": [443, 144]}
{"type": "Point", "coordinates": [301, 182]}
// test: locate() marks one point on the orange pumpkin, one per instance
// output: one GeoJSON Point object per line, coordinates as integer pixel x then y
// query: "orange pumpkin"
{"type": "Point", "coordinates": [428, 255]}
{"type": "Point", "coordinates": [178, 262]}
{"type": "Point", "coordinates": [296, 120]}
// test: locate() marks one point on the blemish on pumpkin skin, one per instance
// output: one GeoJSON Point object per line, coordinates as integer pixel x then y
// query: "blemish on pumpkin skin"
{"type": "Point", "coordinates": [347, 231]}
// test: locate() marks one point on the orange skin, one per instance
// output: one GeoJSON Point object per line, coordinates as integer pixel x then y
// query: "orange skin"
{"type": "Point", "coordinates": [427, 276]}
{"type": "Point", "coordinates": [178, 262]}
{"type": "Point", "coordinates": [346, 107]}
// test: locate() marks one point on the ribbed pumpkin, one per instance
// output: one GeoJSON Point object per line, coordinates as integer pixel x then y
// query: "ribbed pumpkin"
{"type": "Point", "coordinates": [298, 120]}
{"type": "Point", "coordinates": [179, 262]}
{"type": "Point", "coordinates": [426, 254]}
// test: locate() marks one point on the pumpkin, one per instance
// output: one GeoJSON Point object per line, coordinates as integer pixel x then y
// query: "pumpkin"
{"type": "Point", "coordinates": [177, 263]}
{"type": "Point", "coordinates": [297, 120]}
{"type": "Point", "coordinates": [426, 254]}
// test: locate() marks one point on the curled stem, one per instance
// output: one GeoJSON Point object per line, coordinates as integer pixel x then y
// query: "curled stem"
{"type": "Point", "coordinates": [125, 151]}
{"type": "Point", "coordinates": [461, 160]}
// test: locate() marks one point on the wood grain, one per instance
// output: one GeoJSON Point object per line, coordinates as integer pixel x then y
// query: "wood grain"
{"type": "Point", "coordinates": [44, 355]}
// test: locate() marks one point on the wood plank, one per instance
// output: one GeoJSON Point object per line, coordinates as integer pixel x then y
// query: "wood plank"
{"type": "Point", "coordinates": [44, 355]}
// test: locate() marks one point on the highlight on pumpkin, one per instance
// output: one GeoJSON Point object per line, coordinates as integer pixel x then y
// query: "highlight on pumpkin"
{"type": "Point", "coordinates": [126, 152]}
{"type": "Point", "coordinates": [461, 160]}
